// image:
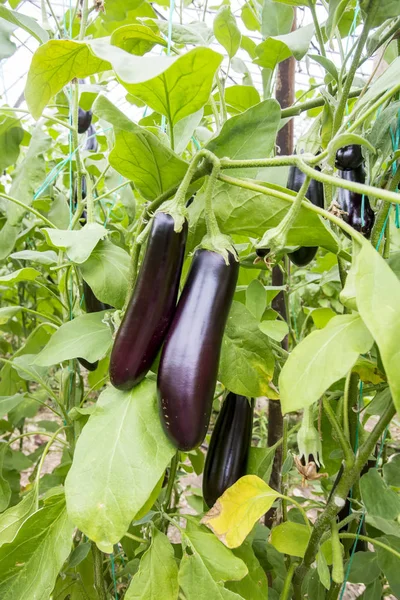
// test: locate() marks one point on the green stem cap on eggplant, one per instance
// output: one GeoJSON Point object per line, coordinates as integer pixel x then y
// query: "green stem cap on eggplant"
{"type": "Point", "coordinates": [188, 369]}
{"type": "Point", "coordinates": [152, 305]}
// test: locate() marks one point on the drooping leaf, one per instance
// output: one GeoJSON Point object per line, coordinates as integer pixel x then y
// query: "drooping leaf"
{"type": "Point", "coordinates": [31, 562]}
{"type": "Point", "coordinates": [123, 441]}
{"type": "Point", "coordinates": [278, 48]}
{"type": "Point", "coordinates": [25, 274]}
{"type": "Point", "coordinates": [47, 257]}
{"type": "Point", "coordinates": [239, 508]}
{"type": "Point", "coordinates": [158, 572]}
{"type": "Point", "coordinates": [226, 30]}
{"type": "Point", "coordinates": [107, 273]}
{"type": "Point", "coordinates": [78, 244]}
{"type": "Point", "coordinates": [247, 363]}
{"type": "Point", "coordinates": [136, 39]}
{"type": "Point", "coordinates": [323, 357]}
{"type": "Point", "coordinates": [25, 22]}
{"type": "Point", "coordinates": [84, 337]}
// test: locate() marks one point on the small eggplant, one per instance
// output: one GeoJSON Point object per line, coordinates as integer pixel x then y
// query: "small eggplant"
{"type": "Point", "coordinates": [152, 305]}
{"type": "Point", "coordinates": [351, 204]}
{"type": "Point", "coordinates": [188, 369]}
{"type": "Point", "coordinates": [229, 447]}
{"type": "Point", "coordinates": [91, 141]}
{"type": "Point", "coordinates": [315, 193]}
{"type": "Point", "coordinates": [349, 158]}
{"type": "Point", "coordinates": [84, 120]}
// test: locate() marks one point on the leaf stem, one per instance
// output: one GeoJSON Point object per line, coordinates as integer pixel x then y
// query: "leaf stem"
{"type": "Point", "coordinates": [99, 582]}
{"type": "Point", "coordinates": [135, 538]}
{"type": "Point", "coordinates": [46, 450]}
{"type": "Point", "coordinates": [171, 480]}
{"type": "Point", "coordinates": [84, 20]}
{"type": "Point", "coordinates": [297, 109]}
{"type": "Point", "coordinates": [318, 33]}
{"type": "Point", "coordinates": [118, 187]}
{"type": "Point", "coordinates": [28, 209]}
{"type": "Point", "coordinates": [343, 441]}
{"type": "Point", "coordinates": [285, 594]}
{"type": "Point", "coordinates": [373, 541]}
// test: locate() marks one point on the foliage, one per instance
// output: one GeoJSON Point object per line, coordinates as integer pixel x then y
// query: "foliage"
{"type": "Point", "coordinates": [109, 515]}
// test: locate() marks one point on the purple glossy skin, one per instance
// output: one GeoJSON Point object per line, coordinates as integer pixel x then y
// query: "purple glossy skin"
{"type": "Point", "coordinates": [91, 142]}
{"type": "Point", "coordinates": [229, 447]}
{"type": "Point", "coordinates": [84, 120]}
{"type": "Point", "coordinates": [349, 157]}
{"type": "Point", "coordinates": [351, 204]}
{"type": "Point", "coordinates": [188, 369]}
{"type": "Point", "coordinates": [151, 306]}
{"type": "Point", "coordinates": [315, 193]}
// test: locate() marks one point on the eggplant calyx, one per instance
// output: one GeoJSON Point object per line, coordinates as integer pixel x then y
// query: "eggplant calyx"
{"type": "Point", "coordinates": [178, 212]}
{"type": "Point", "coordinates": [221, 244]}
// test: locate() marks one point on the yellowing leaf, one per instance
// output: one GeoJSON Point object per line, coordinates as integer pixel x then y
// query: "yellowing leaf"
{"type": "Point", "coordinates": [234, 514]}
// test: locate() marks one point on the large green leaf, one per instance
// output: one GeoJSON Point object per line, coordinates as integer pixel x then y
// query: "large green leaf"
{"type": "Point", "coordinates": [107, 272]}
{"type": "Point", "coordinates": [364, 568]}
{"type": "Point", "coordinates": [323, 357]}
{"type": "Point", "coordinates": [277, 19]}
{"type": "Point", "coordinates": [78, 244]}
{"type": "Point", "coordinates": [249, 135]}
{"type": "Point", "coordinates": [158, 572]}
{"type": "Point", "coordinates": [277, 49]}
{"type": "Point", "coordinates": [84, 337]}
{"type": "Point", "coordinates": [247, 363]}
{"type": "Point", "coordinates": [29, 565]}
{"type": "Point", "coordinates": [377, 292]}
{"type": "Point", "coordinates": [197, 582]}
{"type": "Point", "coordinates": [25, 22]}
{"type": "Point", "coordinates": [139, 155]}
{"type": "Point", "coordinates": [54, 65]}
{"type": "Point", "coordinates": [384, 10]}
{"type": "Point", "coordinates": [183, 88]}
{"type": "Point", "coordinates": [226, 30]}
{"type": "Point", "coordinates": [12, 519]}
{"type": "Point", "coordinates": [248, 213]}
{"type": "Point", "coordinates": [119, 458]}
{"type": "Point", "coordinates": [255, 585]}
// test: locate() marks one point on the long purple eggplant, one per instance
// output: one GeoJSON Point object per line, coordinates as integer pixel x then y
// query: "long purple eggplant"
{"type": "Point", "coordinates": [229, 447]}
{"type": "Point", "coordinates": [151, 306]}
{"type": "Point", "coordinates": [188, 369]}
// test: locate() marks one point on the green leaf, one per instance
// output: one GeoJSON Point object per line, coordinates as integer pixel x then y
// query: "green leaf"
{"type": "Point", "coordinates": [7, 403]}
{"type": "Point", "coordinates": [378, 301]}
{"type": "Point", "coordinates": [250, 20]}
{"type": "Point", "coordinates": [25, 274]}
{"type": "Point", "coordinates": [323, 571]}
{"type": "Point", "coordinates": [386, 10]}
{"type": "Point", "coordinates": [7, 312]}
{"type": "Point", "coordinates": [247, 363]}
{"type": "Point", "coordinates": [276, 49]}
{"type": "Point", "coordinates": [190, 76]}
{"type": "Point", "coordinates": [184, 130]}
{"type": "Point", "coordinates": [107, 272]}
{"type": "Point", "coordinates": [158, 573]}
{"type": "Point", "coordinates": [260, 462]}
{"type": "Point", "coordinates": [78, 244]}
{"type": "Point", "coordinates": [386, 81]}
{"type": "Point", "coordinates": [119, 458]}
{"type": "Point", "coordinates": [290, 538]}
{"type": "Point", "coordinates": [12, 519]}
{"type": "Point", "coordinates": [48, 257]}
{"type": "Point", "coordinates": [198, 33]}
{"type": "Point", "coordinates": [248, 135]}
{"type": "Point", "coordinates": [322, 316]}
{"type": "Point", "coordinates": [327, 64]}
{"type": "Point", "coordinates": [378, 498]}
{"type": "Point", "coordinates": [220, 562]}
{"type": "Point", "coordinates": [139, 155]}
{"type": "Point", "coordinates": [346, 139]}
{"type": "Point", "coordinates": [84, 337]}
{"type": "Point", "coordinates": [389, 563]}
{"type": "Point", "coordinates": [391, 470]}
{"type": "Point", "coordinates": [323, 357]}
{"type": "Point", "coordinates": [226, 30]}
{"type": "Point", "coordinates": [239, 98]}
{"type": "Point", "coordinates": [25, 22]}
{"type": "Point", "coordinates": [244, 212]}
{"type": "Point", "coordinates": [7, 47]}
{"type": "Point", "coordinates": [276, 329]}
{"type": "Point", "coordinates": [54, 65]}
{"type": "Point", "coordinates": [256, 299]}
{"type": "Point", "coordinates": [198, 584]}
{"type": "Point", "coordinates": [5, 490]}
{"type": "Point", "coordinates": [374, 591]}
{"type": "Point", "coordinates": [254, 586]}
{"type": "Point", "coordinates": [277, 19]}
{"type": "Point", "coordinates": [31, 562]}
{"type": "Point", "coordinates": [364, 568]}
{"type": "Point", "coordinates": [11, 136]}
{"type": "Point", "coordinates": [136, 39]}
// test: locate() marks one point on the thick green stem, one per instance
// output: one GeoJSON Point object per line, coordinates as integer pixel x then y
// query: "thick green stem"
{"type": "Point", "coordinates": [341, 437]}
{"type": "Point", "coordinates": [297, 109]}
{"type": "Point", "coordinates": [340, 110]}
{"type": "Point", "coordinates": [372, 541]}
{"type": "Point", "coordinates": [84, 20]}
{"type": "Point", "coordinates": [211, 222]}
{"type": "Point", "coordinates": [285, 594]}
{"type": "Point", "coordinates": [381, 215]}
{"type": "Point", "coordinates": [99, 582]}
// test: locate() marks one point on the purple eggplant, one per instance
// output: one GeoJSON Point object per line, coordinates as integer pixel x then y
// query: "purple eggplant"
{"type": "Point", "coordinates": [188, 369]}
{"type": "Point", "coordinates": [229, 447]}
{"type": "Point", "coordinates": [91, 141]}
{"type": "Point", "coordinates": [360, 217]}
{"type": "Point", "coordinates": [151, 306]}
{"type": "Point", "coordinates": [84, 120]}
{"type": "Point", "coordinates": [349, 158]}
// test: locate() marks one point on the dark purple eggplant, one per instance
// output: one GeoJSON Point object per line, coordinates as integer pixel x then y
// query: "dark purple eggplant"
{"type": "Point", "coordinates": [349, 158]}
{"type": "Point", "coordinates": [229, 447]}
{"type": "Point", "coordinates": [351, 204]}
{"type": "Point", "coordinates": [84, 120]}
{"type": "Point", "coordinates": [151, 306]}
{"type": "Point", "coordinates": [315, 193]}
{"type": "Point", "coordinates": [84, 191]}
{"type": "Point", "coordinates": [188, 369]}
{"type": "Point", "coordinates": [262, 252]}
{"type": "Point", "coordinates": [91, 141]}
